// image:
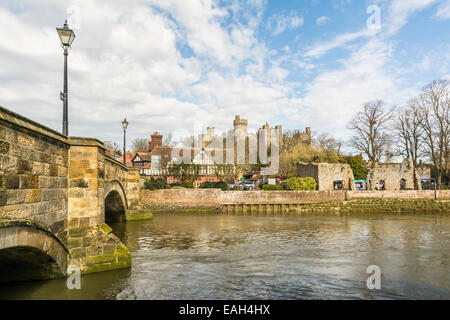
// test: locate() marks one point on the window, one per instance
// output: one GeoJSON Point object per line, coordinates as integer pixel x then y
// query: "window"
{"type": "Point", "coordinates": [156, 162]}
{"type": "Point", "coordinates": [402, 184]}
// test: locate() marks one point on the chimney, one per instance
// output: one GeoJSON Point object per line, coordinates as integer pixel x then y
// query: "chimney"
{"type": "Point", "coordinates": [156, 141]}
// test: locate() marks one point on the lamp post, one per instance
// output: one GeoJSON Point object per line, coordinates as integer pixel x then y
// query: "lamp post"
{"type": "Point", "coordinates": [66, 36]}
{"type": "Point", "coordinates": [124, 126]}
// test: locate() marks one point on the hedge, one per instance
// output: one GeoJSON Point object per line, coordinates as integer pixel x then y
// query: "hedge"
{"type": "Point", "coordinates": [271, 187]}
{"type": "Point", "coordinates": [300, 184]}
{"type": "Point", "coordinates": [155, 184]}
{"type": "Point", "coordinates": [214, 185]}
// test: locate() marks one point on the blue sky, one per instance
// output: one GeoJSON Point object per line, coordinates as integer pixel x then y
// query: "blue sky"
{"type": "Point", "coordinates": [175, 66]}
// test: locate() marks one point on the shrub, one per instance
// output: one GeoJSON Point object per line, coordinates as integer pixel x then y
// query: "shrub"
{"type": "Point", "coordinates": [184, 184]}
{"type": "Point", "coordinates": [271, 187]}
{"type": "Point", "coordinates": [207, 185]}
{"type": "Point", "coordinates": [238, 188]}
{"type": "Point", "coordinates": [155, 184]}
{"type": "Point", "coordinates": [359, 167]}
{"type": "Point", "coordinates": [298, 184]}
{"type": "Point", "coordinates": [175, 184]}
{"type": "Point", "coordinates": [214, 185]}
{"type": "Point", "coordinates": [221, 185]}
{"type": "Point", "coordinates": [187, 184]}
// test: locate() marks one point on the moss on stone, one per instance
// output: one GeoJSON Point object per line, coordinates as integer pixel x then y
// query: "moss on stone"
{"type": "Point", "coordinates": [136, 215]}
{"type": "Point", "coordinates": [105, 228]}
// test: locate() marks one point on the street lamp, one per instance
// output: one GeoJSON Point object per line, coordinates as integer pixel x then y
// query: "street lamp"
{"type": "Point", "coordinates": [66, 36]}
{"type": "Point", "coordinates": [124, 125]}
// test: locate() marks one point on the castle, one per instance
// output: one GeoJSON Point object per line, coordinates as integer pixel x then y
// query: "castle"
{"type": "Point", "coordinates": [240, 125]}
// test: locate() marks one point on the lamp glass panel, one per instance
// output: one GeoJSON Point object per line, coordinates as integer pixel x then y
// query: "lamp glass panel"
{"type": "Point", "coordinates": [66, 36]}
{"type": "Point", "coordinates": [72, 37]}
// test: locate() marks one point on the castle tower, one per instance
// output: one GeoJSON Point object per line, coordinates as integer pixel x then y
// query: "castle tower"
{"type": "Point", "coordinates": [240, 124]}
{"type": "Point", "coordinates": [210, 133]}
{"type": "Point", "coordinates": [208, 137]}
{"type": "Point", "coordinates": [308, 135]}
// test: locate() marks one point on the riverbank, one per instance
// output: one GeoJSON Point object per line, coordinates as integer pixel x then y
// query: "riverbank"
{"type": "Point", "coordinates": [216, 200]}
{"type": "Point", "coordinates": [373, 205]}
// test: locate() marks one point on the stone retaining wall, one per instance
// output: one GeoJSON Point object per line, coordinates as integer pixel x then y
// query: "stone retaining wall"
{"type": "Point", "coordinates": [175, 199]}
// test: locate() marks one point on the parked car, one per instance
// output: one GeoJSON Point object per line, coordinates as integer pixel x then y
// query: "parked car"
{"type": "Point", "coordinates": [247, 185]}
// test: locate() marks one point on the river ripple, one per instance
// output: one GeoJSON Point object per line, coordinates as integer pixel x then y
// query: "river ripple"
{"type": "Point", "coordinates": [199, 256]}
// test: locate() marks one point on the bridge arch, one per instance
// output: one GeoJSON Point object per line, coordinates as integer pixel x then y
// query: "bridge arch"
{"type": "Point", "coordinates": [115, 202]}
{"type": "Point", "coordinates": [30, 252]}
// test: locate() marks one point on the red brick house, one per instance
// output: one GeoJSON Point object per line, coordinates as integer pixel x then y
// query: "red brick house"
{"type": "Point", "coordinates": [155, 161]}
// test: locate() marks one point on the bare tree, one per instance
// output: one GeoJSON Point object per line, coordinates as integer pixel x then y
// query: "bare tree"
{"type": "Point", "coordinates": [167, 140]}
{"type": "Point", "coordinates": [370, 126]}
{"type": "Point", "coordinates": [408, 132]}
{"type": "Point", "coordinates": [139, 144]}
{"type": "Point", "coordinates": [435, 105]}
{"type": "Point", "coordinates": [290, 139]}
{"type": "Point", "coordinates": [114, 149]}
{"type": "Point", "coordinates": [327, 143]}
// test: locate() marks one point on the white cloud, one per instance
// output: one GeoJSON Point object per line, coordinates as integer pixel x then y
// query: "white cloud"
{"type": "Point", "coordinates": [322, 20]}
{"type": "Point", "coordinates": [163, 65]}
{"type": "Point", "coordinates": [279, 23]}
{"type": "Point", "coordinates": [368, 73]}
{"type": "Point", "coordinates": [443, 11]}
{"type": "Point", "coordinates": [322, 48]}
{"type": "Point", "coordinates": [168, 65]}
{"type": "Point", "coordinates": [399, 11]}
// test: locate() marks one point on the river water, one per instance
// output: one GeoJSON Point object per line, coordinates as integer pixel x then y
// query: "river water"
{"type": "Point", "coordinates": [201, 256]}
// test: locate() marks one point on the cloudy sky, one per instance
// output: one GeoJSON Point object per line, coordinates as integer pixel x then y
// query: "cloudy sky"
{"type": "Point", "coordinates": [172, 65]}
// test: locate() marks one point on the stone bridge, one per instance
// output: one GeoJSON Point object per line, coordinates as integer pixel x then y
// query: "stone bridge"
{"type": "Point", "coordinates": [56, 195]}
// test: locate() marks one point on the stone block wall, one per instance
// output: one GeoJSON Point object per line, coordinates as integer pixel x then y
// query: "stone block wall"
{"type": "Point", "coordinates": [173, 199]}
{"type": "Point", "coordinates": [91, 244]}
{"type": "Point", "coordinates": [33, 173]}
{"type": "Point", "coordinates": [326, 173]}
{"type": "Point", "coordinates": [392, 174]}
{"type": "Point", "coordinates": [83, 188]}
{"type": "Point", "coordinates": [192, 199]}
{"type": "Point", "coordinates": [128, 177]}
{"type": "Point", "coordinates": [133, 187]}
{"type": "Point", "coordinates": [58, 182]}
{"type": "Point", "coordinates": [396, 194]}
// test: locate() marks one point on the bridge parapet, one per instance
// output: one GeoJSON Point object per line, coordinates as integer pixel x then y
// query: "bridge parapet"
{"type": "Point", "coordinates": [63, 183]}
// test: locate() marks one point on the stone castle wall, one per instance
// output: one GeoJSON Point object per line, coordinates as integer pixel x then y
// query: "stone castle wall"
{"type": "Point", "coordinates": [392, 174]}
{"type": "Point", "coordinates": [326, 173]}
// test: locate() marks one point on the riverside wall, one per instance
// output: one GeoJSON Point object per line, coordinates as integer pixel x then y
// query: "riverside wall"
{"type": "Point", "coordinates": [202, 199]}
